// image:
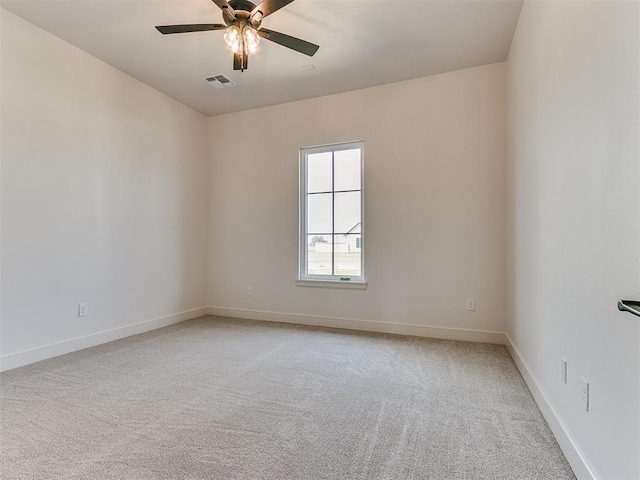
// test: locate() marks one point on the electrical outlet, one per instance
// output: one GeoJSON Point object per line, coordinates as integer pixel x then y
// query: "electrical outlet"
{"type": "Point", "coordinates": [563, 370]}
{"type": "Point", "coordinates": [249, 291]}
{"type": "Point", "coordinates": [584, 393]}
{"type": "Point", "coordinates": [83, 309]}
{"type": "Point", "coordinates": [471, 305]}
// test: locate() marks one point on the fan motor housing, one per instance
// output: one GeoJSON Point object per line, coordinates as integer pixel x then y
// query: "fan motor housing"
{"type": "Point", "coordinates": [243, 9]}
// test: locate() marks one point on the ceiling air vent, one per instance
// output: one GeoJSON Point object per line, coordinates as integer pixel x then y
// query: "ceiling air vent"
{"type": "Point", "coordinates": [220, 80]}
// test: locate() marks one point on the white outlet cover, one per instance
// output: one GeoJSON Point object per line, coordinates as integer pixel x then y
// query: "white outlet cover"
{"type": "Point", "coordinates": [584, 393]}
{"type": "Point", "coordinates": [471, 305]}
{"type": "Point", "coordinates": [83, 309]}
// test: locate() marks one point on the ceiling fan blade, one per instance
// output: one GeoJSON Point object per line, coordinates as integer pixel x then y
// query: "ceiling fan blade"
{"type": "Point", "coordinates": [225, 7]}
{"type": "Point", "coordinates": [288, 41]}
{"type": "Point", "coordinates": [240, 62]}
{"type": "Point", "coordinates": [197, 27]}
{"type": "Point", "coordinates": [267, 7]}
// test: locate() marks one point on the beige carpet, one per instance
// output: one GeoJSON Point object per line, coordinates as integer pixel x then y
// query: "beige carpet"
{"type": "Point", "coordinates": [217, 398]}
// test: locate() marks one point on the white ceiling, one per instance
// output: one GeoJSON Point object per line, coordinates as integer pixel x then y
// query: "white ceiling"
{"type": "Point", "coordinates": [362, 43]}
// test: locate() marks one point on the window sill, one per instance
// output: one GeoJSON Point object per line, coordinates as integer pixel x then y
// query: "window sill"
{"type": "Point", "coordinates": [349, 285]}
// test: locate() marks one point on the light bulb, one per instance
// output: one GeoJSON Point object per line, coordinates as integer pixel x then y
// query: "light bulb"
{"type": "Point", "coordinates": [251, 40]}
{"type": "Point", "coordinates": [233, 39]}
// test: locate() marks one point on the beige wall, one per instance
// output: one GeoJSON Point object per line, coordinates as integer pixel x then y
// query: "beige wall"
{"type": "Point", "coordinates": [114, 194]}
{"type": "Point", "coordinates": [103, 197]}
{"type": "Point", "coordinates": [574, 219]}
{"type": "Point", "coordinates": [434, 195]}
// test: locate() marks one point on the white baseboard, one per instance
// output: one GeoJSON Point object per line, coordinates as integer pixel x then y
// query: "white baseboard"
{"type": "Point", "coordinates": [467, 335]}
{"type": "Point", "coordinates": [576, 458]}
{"type": "Point", "coordinates": [20, 359]}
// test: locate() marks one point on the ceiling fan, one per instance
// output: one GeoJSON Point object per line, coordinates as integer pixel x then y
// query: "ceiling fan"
{"type": "Point", "coordinates": [242, 21]}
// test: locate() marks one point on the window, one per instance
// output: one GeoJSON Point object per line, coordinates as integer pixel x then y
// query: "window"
{"type": "Point", "coordinates": [331, 216]}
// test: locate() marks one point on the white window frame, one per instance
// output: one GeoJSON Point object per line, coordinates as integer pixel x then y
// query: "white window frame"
{"type": "Point", "coordinates": [330, 281]}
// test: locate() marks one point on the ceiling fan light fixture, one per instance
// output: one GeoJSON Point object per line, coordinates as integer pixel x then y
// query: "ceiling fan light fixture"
{"type": "Point", "coordinates": [251, 40]}
{"type": "Point", "coordinates": [233, 39]}
{"type": "Point", "coordinates": [245, 40]}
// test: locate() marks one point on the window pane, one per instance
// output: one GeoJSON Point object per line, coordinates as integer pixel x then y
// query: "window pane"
{"type": "Point", "coordinates": [319, 172]}
{"type": "Point", "coordinates": [331, 196]}
{"type": "Point", "coordinates": [347, 166]}
{"type": "Point", "coordinates": [347, 211]}
{"type": "Point", "coordinates": [347, 255]}
{"type": "Point", "coordinates": [319, 255]}
{"type": "Point", "coordinates": [319, 213]}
